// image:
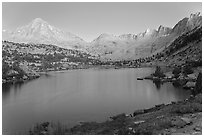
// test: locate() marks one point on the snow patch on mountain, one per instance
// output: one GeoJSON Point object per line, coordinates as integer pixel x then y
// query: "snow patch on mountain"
{"type": "Point", "coordinates": [40, 32]}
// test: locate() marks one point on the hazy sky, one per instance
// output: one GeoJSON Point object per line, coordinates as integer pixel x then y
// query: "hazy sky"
{"type": "Point", "coordinates": [89, 20]}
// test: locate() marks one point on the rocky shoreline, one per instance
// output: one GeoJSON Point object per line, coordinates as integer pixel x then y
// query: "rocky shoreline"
{"type": "Point", "coordinates": [186, 81]}
{"type": "Point", "coordinates": [14, 80]}
{"type": "Point", "coordinates": [182, 117]}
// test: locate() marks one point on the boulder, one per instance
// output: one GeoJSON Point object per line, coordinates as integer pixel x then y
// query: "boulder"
{"type": "Point", "coordinates": [119, 116]}
{"type": "Point", "coordinates": [139, 122]}
{"type": "Point", "coordinates": [181, 77]}
{"type": "Point", "coordinates": [25, 77]}
{"type": "Point", "coordinates": [138, 112]}
{"type": "Point", "coordinates": [192, 76]}
{"type": "Point", "coordinates": [12, 73]}
{"type": "Point", "coordinates": [189, 85]}
{"type": "Point", "coordinates": [178, 122]}
{"type": "Point", "coordinates": [198, 128]}
{"type": "Point", "coordinates": [186, 120]}
{"type": "Point", "coordinates": [160, 105]}
{"type": "Point", "coordinates": [169, 75]}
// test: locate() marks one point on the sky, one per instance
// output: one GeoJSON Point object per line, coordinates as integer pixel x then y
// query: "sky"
{"type": "Point", "coordinates": [89, 20]}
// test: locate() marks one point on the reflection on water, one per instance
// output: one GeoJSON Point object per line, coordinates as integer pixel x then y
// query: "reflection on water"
{"type": "Point", "coordinates": [9, 89]}
{"type": "Point", "coordinates": [81, 95]}
{"type": "Point", "coordinates": [157, 83]}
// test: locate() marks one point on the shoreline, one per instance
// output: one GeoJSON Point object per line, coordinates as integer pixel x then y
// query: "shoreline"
{"type": "Point", "coordinates": [13, 81]}
{"type": "Point", "coordinates": [182, 117]}
{"type": "Point", "coordinates": [168, 118]}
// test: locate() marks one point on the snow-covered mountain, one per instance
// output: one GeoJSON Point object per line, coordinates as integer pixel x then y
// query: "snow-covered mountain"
{"type": "Point", "coordinates": [151, 41]}
{"type": "Point", "coordinates": [108, 46]}
{"type": "Point", "coordinates": [128, 46]}
{"type": "Point", "coordinates": [188, 24]}
{"type": "Point", "coordinates": [40, 32]}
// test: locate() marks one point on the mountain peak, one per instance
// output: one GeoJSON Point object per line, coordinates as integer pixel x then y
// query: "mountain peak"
{"type": "Point", "coordinates": [186, 24]}
{"type": "Point", "coordinates": [39, 31]}
{"type": "Point", "coordinates": [38, 20]}
{"type": "Point", "coordinates": [197, 14]}
{"type": "Point", "coordinates": [149, 31]}
{"type": "Point", "coordinates": [104, 35]}
{"type": "Point", "coordinates": [160, 27]}
{"type": "Point", "coordinates": [162, 30]}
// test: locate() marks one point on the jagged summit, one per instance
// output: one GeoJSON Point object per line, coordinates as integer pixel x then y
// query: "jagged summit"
{"type": "Point", "coordinates": [38, 21]}
{"type": "Point", "coordinates": [150, 41]}
{"type": "Point", "coordinates": [128, 36]}
{"type": "Point", "coordinates": [188, 23]}
{"type": "Point", "coordinates": [163, 30]}
{"type": "Point", "coordinates": [197, 14]}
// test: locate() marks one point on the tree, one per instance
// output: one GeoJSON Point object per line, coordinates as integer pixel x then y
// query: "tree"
{"type": "Point", "coordinates": [16, 67]}
{"type": "Point", "coordinates": [5, 69]}
{"type": "Point", "coordinates": [187, 70]}
{"type": "Point", "coordinates": [158, 73]}
{"type": "Point", "coordinates": [176, 71]}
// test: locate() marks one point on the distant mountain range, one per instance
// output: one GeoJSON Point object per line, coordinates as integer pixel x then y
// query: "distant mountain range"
{"type": "Point", "coordinates": [108, 46]}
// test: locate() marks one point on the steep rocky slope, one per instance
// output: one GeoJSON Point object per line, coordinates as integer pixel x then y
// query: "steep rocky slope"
{"type": "Point", "coordinates": [185, 49]}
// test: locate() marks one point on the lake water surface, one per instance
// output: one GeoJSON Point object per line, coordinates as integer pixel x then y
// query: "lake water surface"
{"type": "Point", "coordinates": [81, 95]}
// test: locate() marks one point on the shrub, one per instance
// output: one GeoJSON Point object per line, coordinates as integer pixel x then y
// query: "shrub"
{"type": "Point", "coordinates": [16, 67]}
{"type": "Point", "coordinates": [176, 71]}
{"type": "Point", "coordinates": [158, 73]}
{"type": "Point", "coordinates": [187, 108]}
{"type": "Point", "coordinates": [187, 70]}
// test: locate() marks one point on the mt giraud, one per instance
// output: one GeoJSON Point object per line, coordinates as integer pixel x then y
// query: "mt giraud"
{"type": "Point", "coordinates": [40, 32]}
